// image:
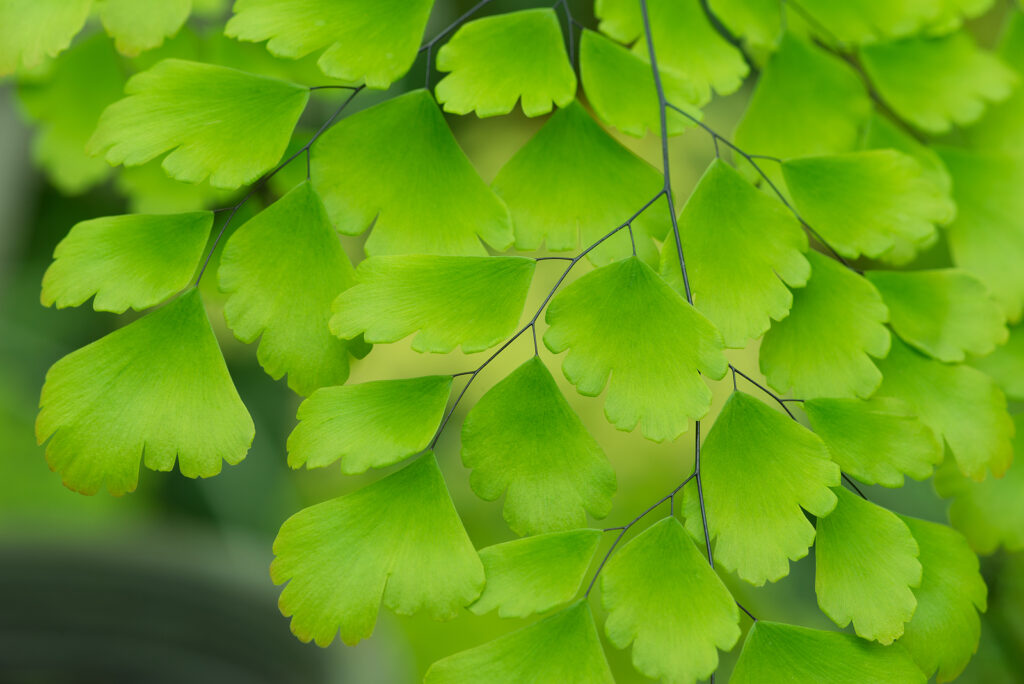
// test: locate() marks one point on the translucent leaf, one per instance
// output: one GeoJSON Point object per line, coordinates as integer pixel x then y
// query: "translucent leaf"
{"type": "Point", "coordinates": [625, 322]}
{"type": "Point", "coordinates": [685, 41]}
{"type": "Point", "coordinates": [943, 313]}
{"type": "Point", "coordinates": [375, 41]}
{"type": "Point", "coordinates": [866, 21]}
{"type": "Point", "coordinates": [759, 470]}
{"type": "Point", "coordinates": [757, 21]}
{"type": "Point", "coordinates": [944, 633]}
{"type": "Point", "coordinates": [470, 301]}
{"type": "Point", "coordinates": [934, 83]}
{"type": "Point", "coordinates": [573, 182]}
{"type": "Point", "coordinates": [155, 390]}
{"type": "Point", "coordinates": [867, 202]}
{"type": "Point", "coordinates": [876, 441]}
{"type": "Point", "coordinates": [534, 574]}
{"type": "Point", "coordinates": [987, 237]}
{"type": "Point", "coordinates": [865, 565]}
{"type": "Point", "coordinates": [775, 653]}
{"type": "Point", "coordinates": [1002, 127]}
{"type": "Point", "coordinates": [369, 425]}
{"type": "Point", "coordinates": [136, 260]}
{"type": "Point", "coordinates": [563, 648]}
{"type": "Point", "coordinates": [202, 113]}
{"type": "Point", "coordinates": [806, 102]}
{"type": "Point", "coordinates": [396, 166]}
{"type": "Point", "coordinates": [742, 247]}
{"type": "Point", "coordinates": [620, 87]}
{"type": "Point", "coordinates": [1005, 365]}
{"type": "Point", "coordinates": [137, 26]}
{"type": "Point", "coordinates": [398, 541]}
{"type": "Point", "coordinates": [663, 597]}
{"type": "Point", "coordinates": [960, 403]}
{"type": "Point", "coordinates": [281, 270]}
{"type": "Point", "coordinates": [823, 348]}
{"type": "Point", "coordinates": [496, 60]}
{"type": "Point", "coordinates": [32, 30]}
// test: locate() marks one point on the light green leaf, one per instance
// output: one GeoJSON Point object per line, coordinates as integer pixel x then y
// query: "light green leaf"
{"type": "Point", "coordinates": [944, 633]}
{"type": "Point", "coordinates": [663, 597]}
{"type": "Point", "coordinates": [620, 87]}
{"type": "Point", "coordinates": [398, 541]}
{"type": "Point", "coordinates": [823, 348]}
{"type": "Point", "coordinates": [202, 113]}
{"type": "Point", "coordinates": [775, 653]}
{"type": "Point", "coordinates": [137, 25]}
{"type": "Point", "coordinates": [865, 565]}
{"type": "Point", "coordinates": [534, 574]}
{"type": "Point", "coordinates": [865, 21]}
{"type": "Point", "coordinates": [759, 470]}
{"type": "Point", "coordinates": [470, 301]}
{"type": "Point", "coordinates": [155, 390]}
{"type": "Point", "coordinates": [876, 441]}
{"type": "Point", "coordinates": [369, 425]}
{"type": "Point", "coordinates": [281, 270]}
{"type": "Point", "coordinates": [759, 22]}
{"type": "Point", "coordinates": [522, 439]}
{"type": "Point", "coordinates": [573, 182]}
{"type": "Point", "coordinates": [806, 102]}
{"type": "Point", "coordinates": [625, 322]}
{"type": "Point", "coordinates": [868, 202]}
{"type": "Point", "coordinates": [934, 83]}
{"type": "Point", "coordinates": [742, 247]}
{"type": "Point", "coordinates": [396, 166]}
{"type": "Point", "coordinates": [496, 60]}
{"type": "Point", "coordinates": [32, 30]}
{"type": "Point", "coordinates": [136, 260]}
{"type": "Point", "coordinates": [1002, 127]}
{"type": "Point", "coordinates": [375, 41]}
{"type": "Point", "coordinates": [563, 648]}
{"type": "Point", "coordinates": [960, 403]}
{"type": "Point", "coordinates": [1005, 365]}
{"type": "Point", "coordinates": [944, 313]}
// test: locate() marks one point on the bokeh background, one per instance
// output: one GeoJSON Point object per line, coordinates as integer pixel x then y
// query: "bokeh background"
{"type": "Point", "coordinates": [170, 583]}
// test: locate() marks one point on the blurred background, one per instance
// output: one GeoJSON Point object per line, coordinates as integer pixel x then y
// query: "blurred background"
{"type": "Point", "coordinates": [171, 583]}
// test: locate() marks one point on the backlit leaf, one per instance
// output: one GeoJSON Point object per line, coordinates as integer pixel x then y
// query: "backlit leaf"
{"type": "Point", "coordinates": [865, 21]}
{"type": "Point", "coordinates": [137, 25]}
{"type": "Point", "coordinates": [1002, 127]}
{"type": "Point", "coordinates": [1005, 365]}
{"type": "Point", "coordinates": [32, 30]}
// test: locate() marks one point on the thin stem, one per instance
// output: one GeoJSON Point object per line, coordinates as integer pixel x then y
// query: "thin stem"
{"type": "Point", "coordinates": [736, 371]}
{"type": "Point", "coordinates": [853, 486]}
{"type": "Point", "coordinates": [335, 87]}
{"type": "Point", "coordinates": [700, 494]}
{"type": "Point", "coordinates": [749, 614]}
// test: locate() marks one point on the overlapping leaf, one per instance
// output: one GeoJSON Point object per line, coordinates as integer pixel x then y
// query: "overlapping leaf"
{"type": "Point", "coordinates": [1005, 365]}
{"type": "Point", "coordinates": [32, 30]}
{"type": "Point", "coordinates": [864, 21]}
{"type": "Point", "coordinates": [759, 22]}
{"type": "Point", "coordinates": [136, 25]}
{"type": "Point", "coordinates": [1002, 127]}
{"type": "Point", "coordinates": [626, 328]}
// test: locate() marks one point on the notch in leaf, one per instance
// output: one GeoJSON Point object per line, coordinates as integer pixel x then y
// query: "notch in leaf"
{"type": "Point", "coordinates": [32, 30]}
{"type": "Point", "coordinates": [155, 390]}
{"type": "Point", "coordinates": [140, 26]}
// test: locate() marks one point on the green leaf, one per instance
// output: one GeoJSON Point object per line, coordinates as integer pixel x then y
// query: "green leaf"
{"type": "Point", "coordinates": [374, 41]}
{"type": "Point", "coordinates": [398, 541]}
{"type": "Point", "coordinates": [960, 403]}
{"type": "Point", "coordinates": [868, 202]}
{"type": "Point", "coordinates": [805, 102]}
{"type": "Point", "coordinates": [759, 22]}
{"type": "Point", "coordinates": [685, 41]}
{"type": "Point", "coordinates": [369, 425]}
{"type": "Point", "coordinates": [522, 439]}
{"type": "Point", "coordinates": [944, 633]}
{"type": "Point", "coordinates": [202, 113]}
{"type": "Point", "coordinates": [620, 87]}
{"type": "Point", "coordinates": [663, 597]}
{"type": "Point", "coordinates": [496, 60]}
{"type": "Point", "coordinates": [1002, 127]}
{"type": "Point", "coordinates": [534, 574]}
{"type": "Point", "coordinates": [563, 648]}
{"type": "Point", "coordinates": [155, 390]}
{"type": "Point", "coordinates": [865, 565]}
{"type": "Point", "coordinates": [281, 270]}
{"type": "Point", "coordinates": [742, 248]}
{"type": "Point", "coordinates": [573, 182]}
{"type": "Point", "coordinates": [1005, 365]}
{"type": "Point", "coordinates": [987, 237]}
{"type": "Point", "coordinates": [876, 441]}
{"type": "Point", "coordinates": [623, 321]}
{"type": "Point", "coordinates": [865, 21]}
{"type": "Point", "coordinates": [943, 313]}
{"type": "Point", "coordinates": [32, 30]}
{"type": "Point", "coordinates": [934, 83]}
{"type": "Point", "coordinates": [470, 301]}
{"type": "Point", "coordinates": [823, 348]}
{"type": "Point", "coordinates": [881, 132]}
{"type": "Point", "coordinates": [775, 653]}
{"type": "Point", "coordinates": [137, 26]}
{"type": "Point", "coordinates": [396, 166]}
{"type": "Point", "coordinates": [759, 470]}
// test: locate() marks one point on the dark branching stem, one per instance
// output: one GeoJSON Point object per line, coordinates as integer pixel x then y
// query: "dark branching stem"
{"type": "Point", "coordinates": [428, 47]}
{"type": "Point", "coordinates": [782, 402]}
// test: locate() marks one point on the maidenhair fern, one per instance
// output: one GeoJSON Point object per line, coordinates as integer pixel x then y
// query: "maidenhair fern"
{"type": "Point", "coordinates": [876, 275]}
